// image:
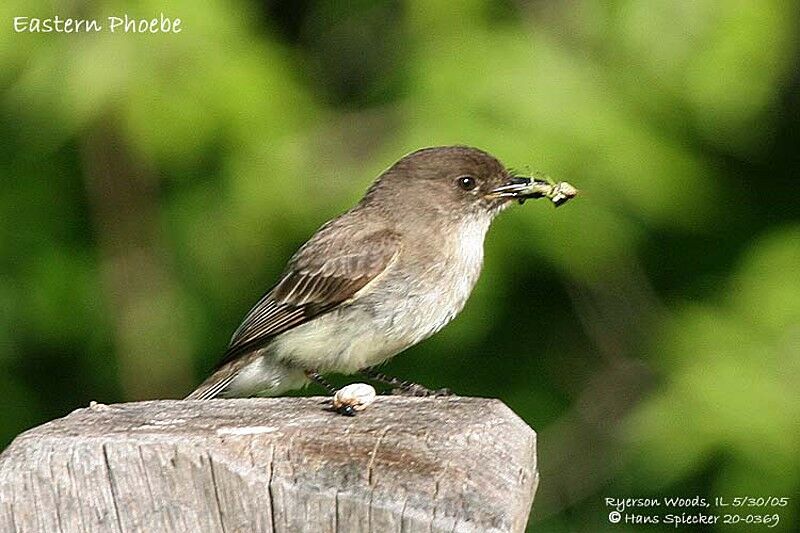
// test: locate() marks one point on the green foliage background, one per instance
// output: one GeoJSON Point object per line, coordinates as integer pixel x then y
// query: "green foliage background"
{"type": "Point", "coordinates": [154, 186]}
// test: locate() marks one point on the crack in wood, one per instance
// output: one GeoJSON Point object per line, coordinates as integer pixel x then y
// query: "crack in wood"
{"type": "Point", "coordinates": [112, 486]}
{"type": "Point", "coordinates": [374, 454]}
{"type": "Point", "coordinates": [270, 490]}
{"type": "Point", "coordinates": [216, 493]}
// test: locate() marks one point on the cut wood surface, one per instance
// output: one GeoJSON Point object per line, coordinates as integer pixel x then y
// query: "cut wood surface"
{"type": "Point", "coordinates": [273, 465]}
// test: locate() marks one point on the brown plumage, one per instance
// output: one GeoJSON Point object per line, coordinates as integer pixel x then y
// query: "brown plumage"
{"type": "Point", "coordinates": [325, 272]}
{"type": "Point", "coordinates": [381, 277]}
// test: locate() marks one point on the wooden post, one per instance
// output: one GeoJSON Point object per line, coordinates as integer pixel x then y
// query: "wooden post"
{"type": "Point", "coordinates": [273, 465]}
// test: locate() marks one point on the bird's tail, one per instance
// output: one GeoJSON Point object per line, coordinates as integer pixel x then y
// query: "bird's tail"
{"type": "Point", "coordinates": [212, 387]}
{"type": "Point", "coordinates": [271, 377]}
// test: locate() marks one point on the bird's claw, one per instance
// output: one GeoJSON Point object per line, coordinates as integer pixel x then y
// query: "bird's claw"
{"type": "Point", "coordinates": [412, 389]}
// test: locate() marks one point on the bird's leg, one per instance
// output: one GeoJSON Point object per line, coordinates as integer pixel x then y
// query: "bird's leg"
{"type": "Point", "coordinates": [314, 376]}
{"type": "Point", "coordinates": [403, 388]}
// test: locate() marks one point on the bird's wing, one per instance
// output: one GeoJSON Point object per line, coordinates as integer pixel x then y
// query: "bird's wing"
{"type": "Point", "coordinates": [324, 273]}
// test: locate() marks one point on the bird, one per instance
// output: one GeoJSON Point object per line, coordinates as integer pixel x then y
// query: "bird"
{"type": "Point", "coordinates": [374, 281]}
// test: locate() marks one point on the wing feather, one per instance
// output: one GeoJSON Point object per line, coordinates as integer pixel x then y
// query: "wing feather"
{"type": "Point", "coordinates": [324, 273]}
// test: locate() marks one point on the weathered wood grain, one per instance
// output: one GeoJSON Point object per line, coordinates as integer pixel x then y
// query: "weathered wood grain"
{"type": "Point", "coordinates": [273, 465]}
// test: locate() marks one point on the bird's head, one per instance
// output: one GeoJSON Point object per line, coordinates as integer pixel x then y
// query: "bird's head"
{"type": "Point", "coordinates": [458, 181]}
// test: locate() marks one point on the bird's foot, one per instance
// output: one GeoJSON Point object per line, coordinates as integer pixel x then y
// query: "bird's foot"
{"type": "Point", "coordinates": [412, 389]}
{"type": "Point", "coordinates": [404, 388]}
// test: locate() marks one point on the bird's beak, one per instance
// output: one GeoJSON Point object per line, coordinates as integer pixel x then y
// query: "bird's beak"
{"type": "Point", "coordinates": [517, 187]}
{"type": "Point", "coordinates": [520, 188]}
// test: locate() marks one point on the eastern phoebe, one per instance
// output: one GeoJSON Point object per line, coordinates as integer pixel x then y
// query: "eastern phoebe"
{"type": "Point", "coordinates": [383, 276]}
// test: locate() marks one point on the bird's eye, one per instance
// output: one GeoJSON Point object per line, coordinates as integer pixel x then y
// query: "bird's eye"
{"type": "Point", "coordinates": [466, 182]}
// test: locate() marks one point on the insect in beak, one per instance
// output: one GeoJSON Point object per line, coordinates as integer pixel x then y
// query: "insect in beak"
{"type": "Point", "coordinates": [522, 188]}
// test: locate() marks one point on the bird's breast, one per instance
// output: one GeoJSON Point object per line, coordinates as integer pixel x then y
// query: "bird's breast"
{"type": "Point", "coordinates": [429, 288]}
{"type": "Point", "coordinates": [413, 299]}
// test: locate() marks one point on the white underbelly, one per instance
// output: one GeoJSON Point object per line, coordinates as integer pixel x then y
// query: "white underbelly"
{"type": "Point", "coordinates": [339, 342]}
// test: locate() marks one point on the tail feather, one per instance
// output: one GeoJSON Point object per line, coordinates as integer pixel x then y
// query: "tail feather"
{"type": "Point", "coordinates": [212, 387]}
{"type": "Point", "coordinates": [259, 376]}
